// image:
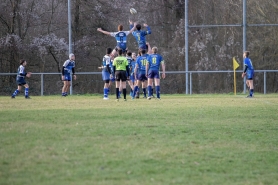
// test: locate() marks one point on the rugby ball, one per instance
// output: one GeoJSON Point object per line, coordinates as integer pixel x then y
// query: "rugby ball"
{"type": "Point", "coordinates": [132, 11]}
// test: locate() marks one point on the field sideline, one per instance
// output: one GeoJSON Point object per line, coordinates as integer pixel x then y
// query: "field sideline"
{"type": "Point", "coordinates": [182, 139]}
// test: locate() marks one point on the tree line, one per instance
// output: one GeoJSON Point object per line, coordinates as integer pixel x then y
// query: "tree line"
{"type": "Point", "coordinates": [38, 32]}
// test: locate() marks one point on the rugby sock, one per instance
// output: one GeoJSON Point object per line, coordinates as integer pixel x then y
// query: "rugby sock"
{"type": "Point", "coordinates": [105, 92]}
{"type": "Point", "coordinates": [157, 89]}
{"type": "Point", "coordinates": [26, 92]}
{"type": "Point", "coordinates": [15, 93]}
{"type": "Point", "coordinates": [144, 91]}
{"type": "Point", "coordinates": [251, 92]}
{"type": "Point", "coordinates": [66, 93]}
{"type": "Point", "coordinates": [124, 92]}
{"type": "Point", "coordinates": [135, 90]}
{"type": "Point", "coordinates": [149, 91]}
{"type": "Point", "coordinates": [117, 93]}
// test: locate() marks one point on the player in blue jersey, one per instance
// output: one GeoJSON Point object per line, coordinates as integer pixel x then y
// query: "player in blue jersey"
{"type": "Point", "coordinates": [106, 72]}
{"type": "Point", "coordinates": [68, 67]}
{"type": "Point", "coordinates": [131, 65]}
{"type": "Point", "coordinates": [140, 35]}
{"type": "Point", "coordinates": [152, 68]}
{"type": "Point", "coordinates": [20, 79]}
{"type": "Point", "coordinates": [141, 77]}
{"type": "Point", "coordinates": [249, 73]}
{"type": "Point", "coordinates": [120, 36]}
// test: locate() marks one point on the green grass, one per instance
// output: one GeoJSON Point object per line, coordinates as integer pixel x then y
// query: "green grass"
{"type": "Point", "coordinates": [198, 139]}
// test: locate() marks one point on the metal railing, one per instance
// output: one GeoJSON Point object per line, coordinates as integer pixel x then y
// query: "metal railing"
{"type": "Point", "coordinates": [167, 72]}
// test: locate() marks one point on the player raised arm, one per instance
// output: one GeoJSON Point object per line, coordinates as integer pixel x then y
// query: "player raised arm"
{"type": "Point", "coordinates": [149, 48]}
{"type": "Point", "coordinates": [132, 26]}
{"type": "Point", "coordinates": [148, 28]}
{"type": "Point", "coordinates": [102, 31]}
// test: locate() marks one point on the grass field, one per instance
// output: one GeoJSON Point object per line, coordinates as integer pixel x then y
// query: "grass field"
{"type": "Point", "coordinates": [198, 139]}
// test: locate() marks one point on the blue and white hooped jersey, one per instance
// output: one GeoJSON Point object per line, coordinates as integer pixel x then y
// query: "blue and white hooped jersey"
{"type": "Point", "coordinates": [106, 61]}
{"type": "Point", "coordinates": [141, 63]}
{"type": "Point", "coordinates": [248, 63]}
{"type": "Point", "coordinates": [69, 64]}
{"type": "Point", "coordinates": [21, 70]}
{"type": "Point", "coordinates": [111, 66]}
{"type": "Point", "coordinates": [154, 61]}
{"type": "Point", "coordinates": [121, 38]}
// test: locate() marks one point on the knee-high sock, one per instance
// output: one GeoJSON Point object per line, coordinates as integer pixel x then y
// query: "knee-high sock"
{"type": "Point", "coordinates": [117, 93]}
{"type": "Point", "coordinates": [135, 90]}
{"type": "Point", "coordinates": [251, 92]}
{"type": "Point", "coordinates": [105, 92]}
{"type": "Point", "coordinates": [26, 92]}
{"type": "Point", "coordinates": [157, 88]}
{"type": "Point", "coordinates": [15, 92]}
{"type": "Point", "coordinates": [149, 91]}
{"type": "Point", "coordinates": [124, 92]}
{"type": "Point", "coordinates": [144, 91]}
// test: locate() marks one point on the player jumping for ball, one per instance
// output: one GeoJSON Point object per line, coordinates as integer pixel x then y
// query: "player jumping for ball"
{"type": "Point", "coordinates": [120, 36]}
{"type": "Point", "coordinates": [140, 35]}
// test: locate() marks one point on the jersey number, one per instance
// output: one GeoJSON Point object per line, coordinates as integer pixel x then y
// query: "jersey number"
{"type": "Point", "coordinates": [154, 60]}
{"type": "Point", "coordinates": [143, 62]}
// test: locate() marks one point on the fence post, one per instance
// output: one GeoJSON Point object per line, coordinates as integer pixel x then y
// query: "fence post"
{"type": "Point", "coordinates": [264, 82]}
{"type": "Point", "coordinates": [190, 83]}
{"type": "Point", "coordinates": [41, 84]}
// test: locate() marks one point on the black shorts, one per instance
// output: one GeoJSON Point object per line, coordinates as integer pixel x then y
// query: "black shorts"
{"type": "Point", "coordinates": [120, 75]}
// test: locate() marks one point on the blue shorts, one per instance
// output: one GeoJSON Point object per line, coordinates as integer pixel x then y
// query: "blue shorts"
{"type": "Point", "coordinates": [153, 74]}
{"type": "Point", "coordinates": [20, 81]}
{"type": "Point", "coordinates": [250, 74]}
{"type": "Point", "coordinates": [142, 77]}
{"type": "Point", "coordinates": [105, 75]}
{"type": "Point", "coordinates": [67, 77]}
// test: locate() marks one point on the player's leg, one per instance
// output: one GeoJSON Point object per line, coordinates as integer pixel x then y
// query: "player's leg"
{"type": "Point", "coordinates": [251, 84]}
{"type": "Point", "coordinates": [130, 83]}
{"type": "Point", "coordinates": [26, 91]}
{"type": "Point", "coordinates": [250, 75]}
{"type": "Point", "coordinates": [123, 83]}
{"type": "Point", "coordinates": [117, 79]}
{"type": "Point", "coordinates": [105, 89]}
{"type": "Point", "coordinates": [16, 91]}
{"type": "Point", "coordinates": [150, 82]}
{"type": "Point", "coordinates": [135, 91]}
{"type": "Point", "coordinates": [157, 87]}
{"type": "Point", "coordinates": [120, 89]}
{"type": "Point", "coordinates": [251, 88]}
{"type": "Point", "coordinates": [157, 83]}
{"type": "Point", "coordinates": [106, 79]}
{"type": "Point", "coordinates": [144, 87]}
{"type": "Point", "coordinates": [66, 89]}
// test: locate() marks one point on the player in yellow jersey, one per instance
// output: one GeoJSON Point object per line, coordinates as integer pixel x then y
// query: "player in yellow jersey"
{"type": "Point", "coordinates": [121, 68]}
